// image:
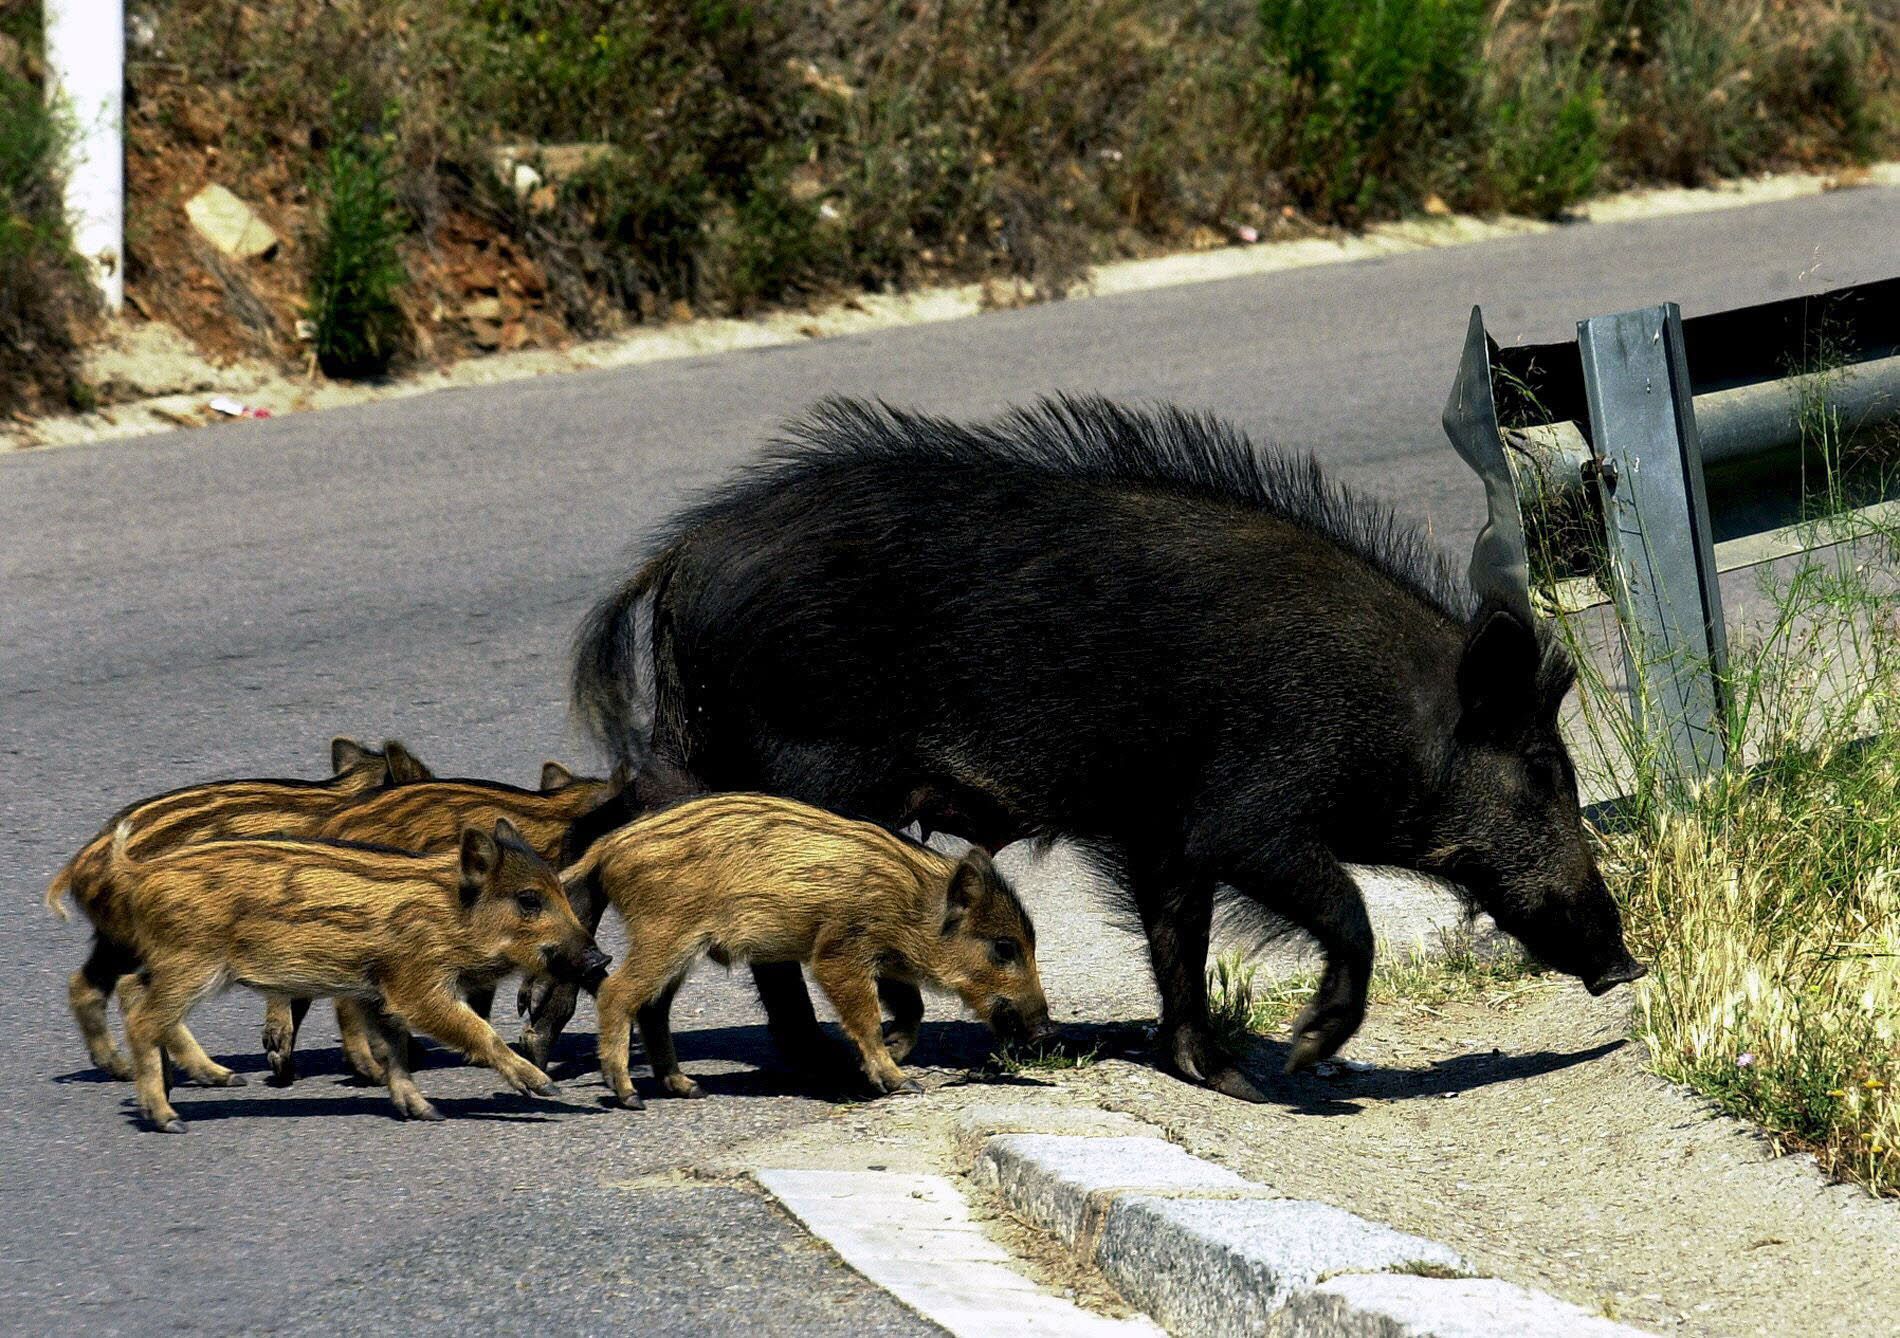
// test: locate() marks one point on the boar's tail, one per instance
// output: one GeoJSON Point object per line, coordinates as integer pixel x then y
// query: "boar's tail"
{"type": "Point", "coordinates": [56, 893]}
{"type": "Point", "coordinates": [121, 864]}
{"type": "Point", "coordinates": [608, 654]}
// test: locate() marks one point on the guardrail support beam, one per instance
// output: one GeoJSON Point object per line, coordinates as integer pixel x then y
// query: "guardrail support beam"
{"type": "Point", "coordinates": [1656, 522]}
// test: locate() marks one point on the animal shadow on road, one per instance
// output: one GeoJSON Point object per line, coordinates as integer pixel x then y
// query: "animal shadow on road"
{"type": "Point", "coordinates": [499, 1108]}
{"type": "Point", "coordinates": [1339, 1092]}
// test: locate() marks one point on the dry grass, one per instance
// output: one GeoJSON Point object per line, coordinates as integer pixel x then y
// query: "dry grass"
{"type": "Point", "coordinates": [1767, 899]}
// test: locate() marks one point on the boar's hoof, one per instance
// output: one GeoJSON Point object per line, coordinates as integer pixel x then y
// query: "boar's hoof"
{"type": "Point", "coordinates": [631, 1101]}
{"type": "Point", "coordinates": [1230, 1082]}
{"type": "Point", "coordinates": [221, 1080]}
{"type": "Point", "coordinates": [909, 1087]}
{"type": "Point", "coordinates": [1309, 1047]}
{"type": "Point", "coordinates": [423, 1110]}
{"type": "Point", "coordinates": [681, 1085]}
{"type": "Point", "coordinates": [172, 1126]}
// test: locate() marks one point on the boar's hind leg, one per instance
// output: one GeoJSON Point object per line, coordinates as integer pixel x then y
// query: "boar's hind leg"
{"type": "Point", "coordinates": [1315, 892]}
{"type": "Point", "coordinates": [389, 1042]}
{"type": "Point", "coordinates": [283, 1019]}
{"type": "Point", "coordinates": [906, 1004]}
{"type": "Point", "coordinates": [90, 989]}
{"type": "Point", "coordinates": [1177, 911]}
{"type": "Point", "coordinates": [181, 1047]}
{"type": "Point", "coordinates": [156, 1014]}
{"type": "Point", "coordinates": [656, 1033]}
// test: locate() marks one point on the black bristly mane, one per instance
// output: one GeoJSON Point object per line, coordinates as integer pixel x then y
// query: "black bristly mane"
{"type": "Point", "coordinates": [1086, 437]}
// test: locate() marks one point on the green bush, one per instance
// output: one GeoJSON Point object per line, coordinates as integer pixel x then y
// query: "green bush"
{"type": "Point", "coordinates": [355, 271]}
{"type": "Point", "coordinates": [1369, 105]}
{"type": "Point", "coordinates": [1547, 140]}
{"type": "Point", "coordinates": [44, 290]}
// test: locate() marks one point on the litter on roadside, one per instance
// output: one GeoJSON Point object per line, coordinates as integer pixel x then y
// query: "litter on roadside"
{"type": "Point", "coordinates": [231, 408]}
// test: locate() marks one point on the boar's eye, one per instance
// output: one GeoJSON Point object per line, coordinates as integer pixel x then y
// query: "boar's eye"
{"type": "Point", "coordinates": [529, 902]}
{"type": "Point", "coordinates": [1004, 950]}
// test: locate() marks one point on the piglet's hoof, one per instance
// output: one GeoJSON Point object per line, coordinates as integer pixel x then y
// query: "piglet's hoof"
{"type": "Point", "coordinates": [223, 1080]}
{"type": "Point", "coordinates": [423, 1111]}
{"type": "Point", "coordinates": [631, 1101]}
{"type": "Point", "coordinates": [682, 1086]}
{"type": "Point", "coordinates": [172, 1126]}
{"type": "Point", "coordinates": [909, 1087]}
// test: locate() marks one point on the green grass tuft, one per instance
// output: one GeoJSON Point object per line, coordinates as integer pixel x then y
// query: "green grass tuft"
{"type": "Point", "coordinates": [355, 270]}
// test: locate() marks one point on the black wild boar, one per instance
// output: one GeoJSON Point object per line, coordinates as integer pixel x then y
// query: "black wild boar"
{"type": "Point", "coordinates": [1208, 666]}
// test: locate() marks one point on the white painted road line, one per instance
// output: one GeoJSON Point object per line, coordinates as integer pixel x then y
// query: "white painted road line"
{"type": "Point", "coordinates": [912, 1235]}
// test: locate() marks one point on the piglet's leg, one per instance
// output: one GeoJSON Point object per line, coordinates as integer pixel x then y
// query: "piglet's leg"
{"type": "Point", "coordinates": [906, 1004]}
{"type": "Point", "coordinates": [656, 1033]}
{"type": "Point", "coordinates": [157, 1012]}
{"type": "Point", "coordinates": [359, 1048]}
{"type": "Point", "coordinates": [642, 978]}
{"type": "Point", "coordinates": [283, 1018]}
{"type": "Point", "coordinates": [847, 981]}
{"type": "Point", "coordinates": [390, 1044]}
{"type": "Point", "coordinates": [439, 1013]}
{"type": "Point", "coordinates": [181, 1047]}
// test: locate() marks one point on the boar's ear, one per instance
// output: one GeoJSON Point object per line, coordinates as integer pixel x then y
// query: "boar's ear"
{"type": "Point", "coordinates": [405, 768]}
{"type": "Point", "coordinates": [1497, 676]}
{"type": "Point", "coordinates": [481, 857]}
{"type": "Point", "coordinates": [554, 776]}
{"type": "Point", "coordinates": [968, 881]}
{"type": "Point", "coordinates": [348, 755]}
{"type": "Point", "coordinates": [507, 834]}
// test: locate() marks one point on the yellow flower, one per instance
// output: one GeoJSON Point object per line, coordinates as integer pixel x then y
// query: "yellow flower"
{"type": "Point", "coordinates": [1835, 1091]}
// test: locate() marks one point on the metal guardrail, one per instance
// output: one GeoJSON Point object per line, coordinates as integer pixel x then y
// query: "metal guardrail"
{"type": "Point", "coordinates": [1620, 430]}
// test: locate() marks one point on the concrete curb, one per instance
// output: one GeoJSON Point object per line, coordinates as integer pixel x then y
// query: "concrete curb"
{"type": "Point", "coordinates": [1206, 1251]}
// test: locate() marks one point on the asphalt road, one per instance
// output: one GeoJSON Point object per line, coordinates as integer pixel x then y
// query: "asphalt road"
{"type": "Point", "coordinates": [221, 602]}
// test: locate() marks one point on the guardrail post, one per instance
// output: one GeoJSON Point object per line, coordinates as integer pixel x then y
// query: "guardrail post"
{"type": "Point", "coordinates": [1656, 523]}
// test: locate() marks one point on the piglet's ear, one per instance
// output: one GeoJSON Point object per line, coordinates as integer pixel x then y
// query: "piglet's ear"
{"type": "Point", "coordinates": [554, 776]}
{"type": "Point", "coordinates": [347, 754]}
{"type": "Point", "coordinates": [1497, 676]}
{"type": "Point", "coordinates": [481, 857]}
{"type": "Point", "coordinates": [967, 882]}
{"type": "Point", "coordinates": [405, 768]}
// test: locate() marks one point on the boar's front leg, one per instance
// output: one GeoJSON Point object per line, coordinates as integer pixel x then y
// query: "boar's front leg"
{"type": "Point", "coordinates": [1177, 912]}
{"type": "Point", "coordinates": [847, 980]}
{"type": "Point", "coordinates": [1313, 890]}
{"type": "Point", "coordinates": [439, 1012]}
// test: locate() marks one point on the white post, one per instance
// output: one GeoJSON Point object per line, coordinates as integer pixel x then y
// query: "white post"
{"type": "Point", "coordinates": [85, 83]}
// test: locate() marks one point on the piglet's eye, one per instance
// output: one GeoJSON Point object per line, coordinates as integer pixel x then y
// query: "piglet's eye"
{"type": "Point", "coordinates": [529, 902]}
{"type": "Point", "coordinates": [1004, 950]}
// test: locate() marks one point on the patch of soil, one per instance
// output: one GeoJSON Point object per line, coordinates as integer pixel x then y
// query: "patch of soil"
{"type": "Point", "coordinates": [471, 288]}
{"type": "Point", "coordinates": [1530, 1137]}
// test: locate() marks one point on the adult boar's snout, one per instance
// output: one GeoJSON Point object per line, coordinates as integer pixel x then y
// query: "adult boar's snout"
{"type": "Point", "coordinates": [1623, 973]}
